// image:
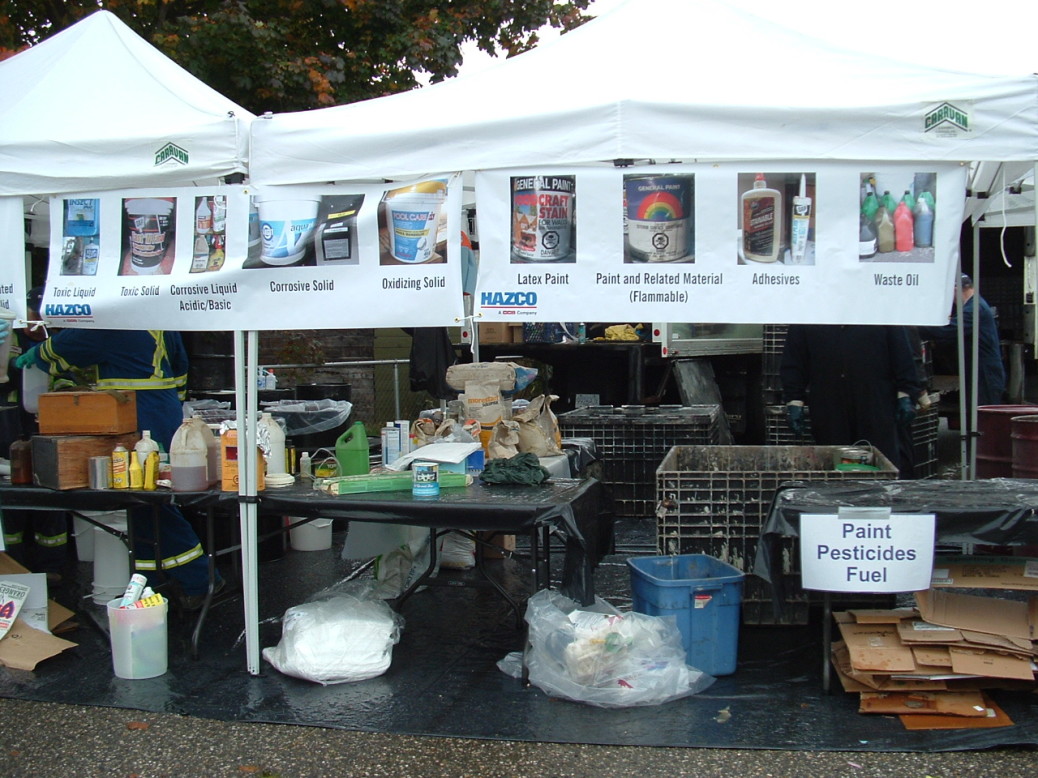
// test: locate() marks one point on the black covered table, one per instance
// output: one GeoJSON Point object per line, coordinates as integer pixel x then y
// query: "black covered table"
{"type": "Point", "coordinates": [565, 508]}
{"type": "Point", "coordinates": [995, 511]}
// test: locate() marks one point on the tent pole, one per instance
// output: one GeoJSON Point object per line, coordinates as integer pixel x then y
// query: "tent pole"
{"type": "Point", "coordinates": [245, 357]}
{"type": "Point", "coordinates": [961, 354]}
{"type": "Point", "coordinates": [974, 350]}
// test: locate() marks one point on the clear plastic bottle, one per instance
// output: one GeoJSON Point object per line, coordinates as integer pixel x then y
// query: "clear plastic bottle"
{"type": "Point", "coordinates": [923, 225]}
{"type": "Point", "coordinates": [884, 231]}
{"type": "Point", "coordinates": [145, 446]}
{"type": "Point", "coordinates": [903, 229]}
{"type": "Point", "coordinates": [276, 439]}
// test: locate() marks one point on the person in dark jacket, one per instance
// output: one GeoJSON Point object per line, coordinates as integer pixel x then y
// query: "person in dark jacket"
{"type": "Point", "coordinates": [154, 364]}
{"type": "Point", "coordinates": [991, 375]}
{"type": "Point", "coordinates": [859, 381]}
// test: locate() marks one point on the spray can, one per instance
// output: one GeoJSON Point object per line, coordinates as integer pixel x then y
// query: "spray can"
{"type": "Point", "coordinates": [120, 468]}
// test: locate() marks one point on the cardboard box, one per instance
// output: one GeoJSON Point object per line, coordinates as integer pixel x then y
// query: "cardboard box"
{"type": "Point", "coordinates": [63, 461]}
{"type": "Point", "coordinates": [500, 332]}
{"type": "Point", "coordinates": [88, 413]}
{"type": "Point", "coordinates": [979, 572]}
{"type": "Point", "coordinates": [24, 647]}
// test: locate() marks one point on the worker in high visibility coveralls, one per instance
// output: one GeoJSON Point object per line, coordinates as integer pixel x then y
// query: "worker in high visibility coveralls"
{"type": "Point", "coordinates": [152, 363]}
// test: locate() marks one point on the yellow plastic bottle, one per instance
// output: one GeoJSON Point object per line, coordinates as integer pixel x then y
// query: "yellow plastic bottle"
{"type": "Point", "coordinates": [136, 472]}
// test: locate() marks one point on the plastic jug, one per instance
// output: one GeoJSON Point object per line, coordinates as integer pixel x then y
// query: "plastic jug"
{"type": "Point", "coordinates": [189, 456]}
{"type": "Point", "coordinates": [270, 433]}
{"type": "Point", "coordinates": [34, 383]}
{"type": "Point", "coordinates": [351, 450]}
{"type": "Point", "coordinates": [904, 232]}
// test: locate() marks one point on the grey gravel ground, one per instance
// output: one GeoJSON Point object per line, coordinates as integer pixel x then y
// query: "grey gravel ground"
{"type": "Point", "coordinates": [46, 739]}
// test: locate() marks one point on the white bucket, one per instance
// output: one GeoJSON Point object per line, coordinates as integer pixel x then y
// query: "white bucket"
{"type": "Point", "coordinates": [83, 531]}
{"type": "Point", "coordinates": [286, 229]}
{"type": "Point", "coordinates": [315, 535]}
{"type": "Point", "coordinates": [111, 558]}
{"type": "Point", "coordinates": [413, 219]}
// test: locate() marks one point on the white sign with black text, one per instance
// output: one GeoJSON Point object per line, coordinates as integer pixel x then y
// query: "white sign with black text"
{"type": "Point", "coordinates": [866, 550]}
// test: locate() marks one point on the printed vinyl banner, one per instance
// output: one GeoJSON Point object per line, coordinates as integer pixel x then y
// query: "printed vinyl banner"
{"type": "Point", "coordinates": [249, 258]}
{"type": "Point", "coordinates": [12, 254]}
{"type": "Point", "coordinates": [741, 243]}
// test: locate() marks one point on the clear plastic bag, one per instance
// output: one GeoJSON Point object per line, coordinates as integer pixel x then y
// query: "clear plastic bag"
{"type": "Point", "coordinates": [338, 637]}
{"type": "Point", "coordinates": [602, 657]}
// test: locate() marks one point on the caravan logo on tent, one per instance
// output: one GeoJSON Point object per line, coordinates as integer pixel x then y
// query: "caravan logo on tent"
{"type": "Point", "coordinates": [171, 152]}
{"type": "Point", "coordinates": [947, 120]}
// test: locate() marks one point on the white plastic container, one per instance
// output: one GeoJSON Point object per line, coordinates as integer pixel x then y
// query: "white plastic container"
{"type": "Point", "coordinates": [270, 433]}
{"type": "Point", "coordinates": [312, 536]}
{"type": "Point", "coordinates": [83, 531]}
{"type": "Point", "coordinates": [189, 456]}
{"type": "Point", "coordinates": [34, 383]}
{"type": "Point", "coordinates": [286, 229]}
{"type": "Point", "coordinates": [5, 347]}
{"type": "Point", "coordinates": [111, 558]}
{"type": "Point", "coordinates": [140, 648]}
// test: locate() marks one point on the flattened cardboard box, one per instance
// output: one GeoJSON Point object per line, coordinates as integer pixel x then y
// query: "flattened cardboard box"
{"type": "Point", "coordinates": [968, 572]}
{"type": "Point", "coordinates": [992, 615]}
{"type": "Point", "coordinates": [24, 647]}
{"type": "Point", "coordinates": [88, 413]}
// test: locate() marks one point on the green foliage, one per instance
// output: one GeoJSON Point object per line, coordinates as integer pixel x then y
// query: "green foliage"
{"type": "Point", "coordinates": [291, 55]}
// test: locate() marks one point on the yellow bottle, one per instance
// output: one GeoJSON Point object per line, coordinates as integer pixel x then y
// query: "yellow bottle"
{"type": "Point", "coordinates": [136, 472]}
{"type": "Point", "coordinates": [151, 471]}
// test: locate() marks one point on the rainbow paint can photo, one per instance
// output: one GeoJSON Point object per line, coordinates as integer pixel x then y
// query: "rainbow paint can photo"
{"type": "Point", "coordinates": [543, 224]}
{"type": "Point", "coordinates": [659, 223]}
{"type": "Point", "coordinates": [425, 479]}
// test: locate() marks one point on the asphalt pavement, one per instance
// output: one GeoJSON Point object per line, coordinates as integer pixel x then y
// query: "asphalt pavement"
{"type": "Point", "coordinates": [47, 740]}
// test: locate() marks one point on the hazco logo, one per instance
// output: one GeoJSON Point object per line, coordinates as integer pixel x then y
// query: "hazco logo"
{"type": "Point", "coordinates": [508, 299]}
{"type": "Point", "coordinates": [67, 310]}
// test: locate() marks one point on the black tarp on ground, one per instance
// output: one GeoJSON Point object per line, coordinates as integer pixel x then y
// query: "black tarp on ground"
{"type": "Point", "coordinates": [444, 680]}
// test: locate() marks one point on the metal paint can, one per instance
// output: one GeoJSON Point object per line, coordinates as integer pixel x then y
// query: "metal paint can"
{"type": "Point", "coordinates": [658, 216]}
{"type": "Point", "coordinates": [542, 218]}
{"type": "Point", "coordinates": [425, 479]}
{"type": "Point", "coordinates": [852, 455]}
{"type": "Point", "coordinates": [100, 473]}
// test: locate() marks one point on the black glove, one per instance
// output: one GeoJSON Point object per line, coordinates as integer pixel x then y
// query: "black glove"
{"type": "Point", "coordinates": [905, 411]}
{"type": "Point", "coordinates": [797, 420]}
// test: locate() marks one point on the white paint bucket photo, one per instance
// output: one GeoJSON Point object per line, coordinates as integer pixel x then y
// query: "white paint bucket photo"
{"type": "Point", "coordinates": [412, 217]}
{"type": "Point", "coordinates": [149, 230]}
{"type": "Point", "coordinates": [286, 229]}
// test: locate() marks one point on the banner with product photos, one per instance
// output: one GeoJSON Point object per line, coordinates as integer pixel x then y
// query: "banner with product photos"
{"type": "Point", "coordinates": [251, 258]}
{"type": "Point", "coordinates": [734, 242]}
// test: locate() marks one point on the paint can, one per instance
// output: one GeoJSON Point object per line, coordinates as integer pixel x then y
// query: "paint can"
{"type": "Point", "coordinates": [853, 455]}
{"type": "Point", "coordinates": [658, 216]}
{"type": "Point", "coordinates": [542, 218]}
{"type": "Point", "coordinates": [425, 479]}
{"type": "Point", "coordinates": [100, 473]}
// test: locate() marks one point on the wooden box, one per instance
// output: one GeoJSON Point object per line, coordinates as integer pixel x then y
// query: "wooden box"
{"type": "Point", "coordinates": [63, 461]}
{"type": "Point", "coordinates": [88, 413]}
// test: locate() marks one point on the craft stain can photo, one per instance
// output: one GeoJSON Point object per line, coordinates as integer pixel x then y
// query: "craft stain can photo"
{"type": "Point", "coordinates": [658, 217]}
{"type": "Point", "coordinates": [543, 218]}
{"type": "Point", "coordinates": [425, 479]}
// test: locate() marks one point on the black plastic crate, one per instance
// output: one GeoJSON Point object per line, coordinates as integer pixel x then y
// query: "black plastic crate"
{"type": "Point", "coordinates": [632, 441]}
{"type": "Point", "coordinates": [715, 499]}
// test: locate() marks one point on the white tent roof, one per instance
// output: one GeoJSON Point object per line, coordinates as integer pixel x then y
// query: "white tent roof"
{"type": "Point", "coordinates": [98, 107]}
{"type": "Point", "coordinates": [660, 79]}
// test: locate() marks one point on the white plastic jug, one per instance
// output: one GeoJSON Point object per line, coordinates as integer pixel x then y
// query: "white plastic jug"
{"type": "Point", "coordinates": [270, 434]}
{"type": "Point", "coordinates": [34, 383]}
{"type": "Point", "coordinates": [189, 456]}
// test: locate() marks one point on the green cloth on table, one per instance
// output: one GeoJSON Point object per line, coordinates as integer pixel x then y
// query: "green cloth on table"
{"type": "Point", "coordinates": [520, 469]}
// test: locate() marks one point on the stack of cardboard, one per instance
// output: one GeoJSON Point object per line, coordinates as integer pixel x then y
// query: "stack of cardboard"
{"type": "Point", "coordinates": [29, 641]}
{"type": "Point", "coordinates": [931, 664]}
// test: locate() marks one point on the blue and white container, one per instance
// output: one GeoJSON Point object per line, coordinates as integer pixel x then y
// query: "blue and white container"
{"type": "Point", "coordinates": [425, 479]}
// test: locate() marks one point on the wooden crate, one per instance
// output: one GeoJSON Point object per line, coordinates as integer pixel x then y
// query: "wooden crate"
{"type": "Point", "coordinates": [88, 413]}
{"type": "Point", "coordinates": [63, 461]}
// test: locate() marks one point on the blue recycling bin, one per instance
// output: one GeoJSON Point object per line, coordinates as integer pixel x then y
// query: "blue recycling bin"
{"type": "Point", "coordinates": [703, 594]}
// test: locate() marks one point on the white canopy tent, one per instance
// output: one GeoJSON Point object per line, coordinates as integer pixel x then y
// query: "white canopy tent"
{"type": "Point", "coordinates": [701, 81]}
{"type": "Point", "coordinates": [659, 79]}
{"type": "Point", "coordinates": [96, 107]}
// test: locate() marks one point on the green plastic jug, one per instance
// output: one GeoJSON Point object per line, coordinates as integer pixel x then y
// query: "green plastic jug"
{"type": "Point", "coordinates": [351, 450]}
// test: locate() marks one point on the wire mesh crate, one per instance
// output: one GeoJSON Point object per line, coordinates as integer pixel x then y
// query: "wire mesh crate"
{"type": "Point", "coordinates": [714, 500]}
{"type": "Point", "coordinates": [633, 440]}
